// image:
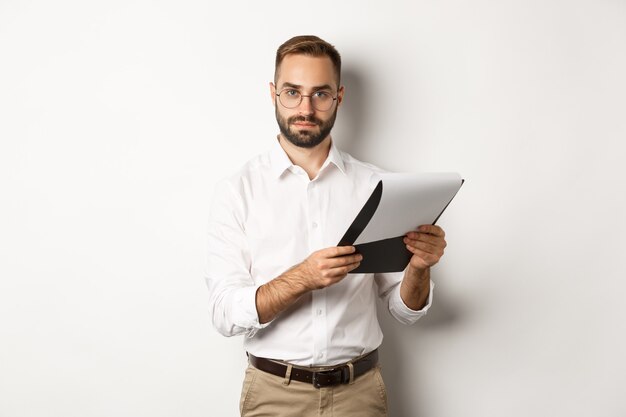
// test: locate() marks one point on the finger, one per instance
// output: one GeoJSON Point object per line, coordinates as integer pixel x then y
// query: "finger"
{"type": "Point", "coordinates": [343, 270]}
{"type": "Point", "coordinates": [353, 266]}
{"type": "Point", "coordinates": [428, 258]}
{"type": "Point", "coordinates": [336, 251]}
{"type": "Point", "coordinates": [423, 246]}
{"type": "Point", "coordinates": [435, 245]}
{"type": "Point", "coordinates": [344, 260]}
{"type": "Point", "coordinates": [424, 237]}
{"type": "Point", "coordinates": [432, 230]}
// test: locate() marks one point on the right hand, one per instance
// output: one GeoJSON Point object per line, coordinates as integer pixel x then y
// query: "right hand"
{"type": "Point", "coordinates": [320, 270]}
{"type": "Point", "coordinates": [328, 266]}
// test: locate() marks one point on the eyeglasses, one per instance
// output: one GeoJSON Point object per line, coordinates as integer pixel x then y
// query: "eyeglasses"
{"type": "Point", "coordinates": [320, 100]}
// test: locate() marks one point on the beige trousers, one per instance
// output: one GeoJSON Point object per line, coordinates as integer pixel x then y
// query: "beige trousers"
{"type": "Point", "coordinates": [267, 395]}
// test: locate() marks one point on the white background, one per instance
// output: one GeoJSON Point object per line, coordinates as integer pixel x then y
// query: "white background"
{"type": "Point", "coordinates": [118, 117]}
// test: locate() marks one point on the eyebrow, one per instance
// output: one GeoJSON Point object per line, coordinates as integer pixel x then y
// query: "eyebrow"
{"type": "Point", "coordinates": [298, 87]}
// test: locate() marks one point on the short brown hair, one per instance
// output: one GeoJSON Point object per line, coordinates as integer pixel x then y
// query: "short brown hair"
{"type": "Point", "coordinates": [308, 45]}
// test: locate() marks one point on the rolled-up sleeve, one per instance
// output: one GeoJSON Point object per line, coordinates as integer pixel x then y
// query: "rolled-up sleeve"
{"type": "Point", "coordinates": [232, 291]}
{"type": "Point", "coordinates": [389, 290]}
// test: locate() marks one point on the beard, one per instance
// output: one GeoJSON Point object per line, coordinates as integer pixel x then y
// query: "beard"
{"type": "Point", "coordinates": [305, 138]}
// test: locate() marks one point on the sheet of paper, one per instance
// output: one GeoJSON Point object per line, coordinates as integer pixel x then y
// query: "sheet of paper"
{"type": "Point", "coordinates": [398, 204]}
{"type": "Point", "coordinates": [407, 201]}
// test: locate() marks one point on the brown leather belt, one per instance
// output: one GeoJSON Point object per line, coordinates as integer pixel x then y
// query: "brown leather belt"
{"type": "Point", "coordinates": [323, 378]}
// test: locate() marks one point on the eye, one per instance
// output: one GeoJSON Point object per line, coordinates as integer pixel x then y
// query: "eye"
{"type": "Point", "coordinates": [291, 93]}
{"type": "Point", "coordinates": [322, 95]}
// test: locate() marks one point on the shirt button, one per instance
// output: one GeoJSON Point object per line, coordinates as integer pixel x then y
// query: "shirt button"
{"type": "Point", "coordinates": [319, 312]}
{"type": "Point", "coordinates": [314, 225]}
{"type": "Point", "coordinates": [320, 355]}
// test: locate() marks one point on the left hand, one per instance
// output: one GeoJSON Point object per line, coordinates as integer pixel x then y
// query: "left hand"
{"type": "Point", "coordinates": [426, 244]}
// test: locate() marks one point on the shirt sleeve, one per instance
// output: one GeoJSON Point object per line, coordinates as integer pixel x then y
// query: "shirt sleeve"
{"type": "Point", "coordinates": [232, 291]}
{"type": "Point", "coordinates": [389, 290]}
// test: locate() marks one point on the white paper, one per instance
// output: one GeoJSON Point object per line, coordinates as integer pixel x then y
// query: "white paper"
{"type": "Point", "coordinates": [408, 201]}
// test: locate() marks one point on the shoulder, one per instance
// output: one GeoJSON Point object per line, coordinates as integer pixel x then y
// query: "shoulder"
{"type": "Point", "coordinates": [240, 186]}
{"type": "Point", "coordinates": [353, 164]}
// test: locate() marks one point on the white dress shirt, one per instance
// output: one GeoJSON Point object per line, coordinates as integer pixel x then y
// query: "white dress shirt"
{"type": "Point", "coordinates": [269, 217]}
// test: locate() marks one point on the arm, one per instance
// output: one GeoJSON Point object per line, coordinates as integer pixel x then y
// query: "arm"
{"type": "Point", "coordinates": [228, 264]}
{"type": "Point", "coordinates": [321, 269]}
{"type": "Point", "coordinates": [237, 304]}
{"type": "Point", "coordinates": [427, 245]}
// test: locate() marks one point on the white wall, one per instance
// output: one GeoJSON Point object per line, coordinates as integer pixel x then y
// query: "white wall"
{"type": "Point", "coordinates": [118, 117]}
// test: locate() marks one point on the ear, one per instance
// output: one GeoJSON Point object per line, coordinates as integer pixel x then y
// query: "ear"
{"type": "Point", "coordinates": [273, 93]}
{"type": "Point", "coordinates": [340, 95]}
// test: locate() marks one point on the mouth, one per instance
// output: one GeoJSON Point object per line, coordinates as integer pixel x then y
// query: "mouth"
{"type": "Point", "coordinates": [304, 124]}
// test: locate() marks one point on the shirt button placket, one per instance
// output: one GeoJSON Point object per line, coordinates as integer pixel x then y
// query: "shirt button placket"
{"type": "Point", "coordinates": [319, 297]}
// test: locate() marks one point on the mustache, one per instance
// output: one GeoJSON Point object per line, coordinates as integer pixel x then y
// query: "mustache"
{"type": "Point", "coordinates": [309, 119]}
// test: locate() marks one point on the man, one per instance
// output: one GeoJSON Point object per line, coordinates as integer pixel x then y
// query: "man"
{"type": "Point", "coordinates": [275, 274]}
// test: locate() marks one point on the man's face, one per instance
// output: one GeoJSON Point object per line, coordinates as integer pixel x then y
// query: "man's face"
{"type": "Point", "coordinates": [304, 125]}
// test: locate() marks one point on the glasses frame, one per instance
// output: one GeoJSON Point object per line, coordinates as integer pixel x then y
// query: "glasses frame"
{"type": "Point", "coordinates": [302, 97]}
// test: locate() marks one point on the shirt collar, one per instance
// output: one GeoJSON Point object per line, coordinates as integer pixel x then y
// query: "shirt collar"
{"type": "Point", "coordinates": [279, 161]}
{"type": "Point", "coordinates": [334, 156]}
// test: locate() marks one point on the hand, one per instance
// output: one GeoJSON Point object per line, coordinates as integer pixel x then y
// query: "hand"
{"type": "Point", "coordinates": [328, 266]}
{"type": "Point", "coordinates": [320, 270]}
{"type": "Point", "coordinates": [427, 245]}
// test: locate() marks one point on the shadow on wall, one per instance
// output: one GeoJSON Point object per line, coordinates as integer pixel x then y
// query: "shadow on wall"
{"type": "Point", "coordinates": [354, 113]}
{"type": "Point", "coordinates": [401, 354]}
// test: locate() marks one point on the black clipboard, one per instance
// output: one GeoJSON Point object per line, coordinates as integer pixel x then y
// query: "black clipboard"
{"type": "Point", "coordinates": [386, 255]}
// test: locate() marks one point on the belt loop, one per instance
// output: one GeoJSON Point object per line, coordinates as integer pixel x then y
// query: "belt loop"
{"type": "Point", "coordinates": [351, 368]}
{"type": "Point", "coordinates": [287, 375]}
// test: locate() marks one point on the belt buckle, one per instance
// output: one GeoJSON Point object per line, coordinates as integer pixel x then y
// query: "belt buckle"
{"type": "Point", "coordinates": [337, 374]}
{"type": "Point", "coordinates": [316, 382]}
{"type": "Point", "coordinates": [316, 378]}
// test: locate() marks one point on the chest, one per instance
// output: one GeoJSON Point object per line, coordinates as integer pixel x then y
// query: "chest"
{"type": "Point", "coordinates": [290, 219]}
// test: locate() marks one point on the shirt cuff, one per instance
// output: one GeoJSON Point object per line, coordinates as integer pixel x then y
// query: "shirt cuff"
{"type": "Point", "coordinates": [244, 312]}
{"type": "Point", "coordinates": [402, 312]}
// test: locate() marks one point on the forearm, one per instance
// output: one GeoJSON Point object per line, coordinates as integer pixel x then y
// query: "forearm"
{"type": "Point", "coordinates": [321, 269]}
{"type": "Point", "coordinates": [415, 287]}
{"type": "Point", "coordinates": [278, 294]}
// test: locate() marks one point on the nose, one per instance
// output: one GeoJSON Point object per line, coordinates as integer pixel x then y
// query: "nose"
{"type": "Point", "coordinates": [306, 105]}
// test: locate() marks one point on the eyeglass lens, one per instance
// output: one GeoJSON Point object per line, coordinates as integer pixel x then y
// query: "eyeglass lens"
{"type": "Point", "coordinates": [320, 100]}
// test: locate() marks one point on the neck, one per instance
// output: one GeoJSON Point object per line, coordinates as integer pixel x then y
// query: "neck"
{"type": "Point", "coordinates": [309, 159]}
